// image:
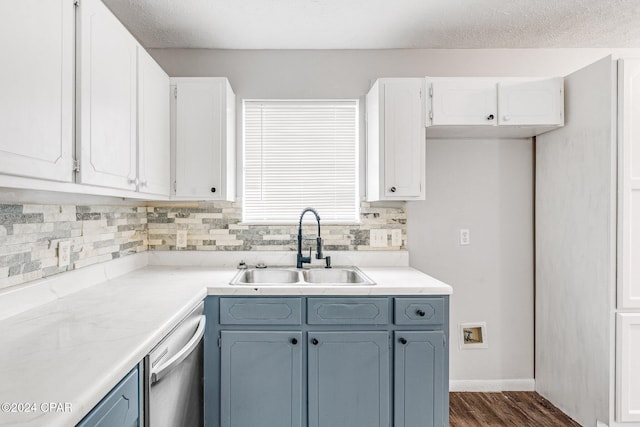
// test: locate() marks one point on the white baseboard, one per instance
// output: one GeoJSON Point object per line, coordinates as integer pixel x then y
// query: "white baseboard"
{"type": "Point", "coordinates": [492, 385]}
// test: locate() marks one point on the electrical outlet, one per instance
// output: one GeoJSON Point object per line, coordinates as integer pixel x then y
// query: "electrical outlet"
{"type": "Point", "coordinates": [64, 253]}
{"type": "Point", "coordinates": [181, 239]}
{"type": "Point", "coordinates": [378, 238]}
{"type": "Point", "coordinates": [465, 237]}
{"type": "Point", "coordinates": [396, 237]}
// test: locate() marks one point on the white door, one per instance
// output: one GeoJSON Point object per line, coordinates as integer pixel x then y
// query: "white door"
{"type": "Point", "coordinates": [199, 133]}
{"type": "Point", "coordinates": [538, 102]}
{"type": "Point", "coordinates": [404, 138]}
{"type": "Point", "coordinates": [36, 106]}
{"type": "Point", "coordinates": [629, 185]}
{"type": "Point", "coordinates": [107, 99]}
{"type": "Point", "coordinates": [463, 101]}
{"type": "Point", "coordinates": [628, 367]}
{"type": "Point", "coordinates": [154, 123]}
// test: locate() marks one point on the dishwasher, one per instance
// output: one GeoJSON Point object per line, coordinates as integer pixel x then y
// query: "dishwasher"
{"type": "Point", "coordinates": [174, 376]}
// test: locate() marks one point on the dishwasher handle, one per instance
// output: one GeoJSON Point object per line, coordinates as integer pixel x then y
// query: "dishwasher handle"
{"type": "Point", "coordinates": [160, 371]}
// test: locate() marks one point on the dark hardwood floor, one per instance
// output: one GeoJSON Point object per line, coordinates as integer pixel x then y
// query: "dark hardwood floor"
{"type": "Point", "coordinates": [520, 409]}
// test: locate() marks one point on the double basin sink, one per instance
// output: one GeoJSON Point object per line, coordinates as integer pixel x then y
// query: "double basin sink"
{"type": "Point", "coordinates": [282, 276]}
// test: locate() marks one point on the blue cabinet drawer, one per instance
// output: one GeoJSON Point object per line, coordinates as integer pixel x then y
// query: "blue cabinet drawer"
{"type": "Point", "coordinates": [419, 311]}
{"type": "Point", "coordinates": [351, 311]}
{"type": "Point", "coordinates": [260, 311]}
{"type": "Point", "coordinates": [120, 408]}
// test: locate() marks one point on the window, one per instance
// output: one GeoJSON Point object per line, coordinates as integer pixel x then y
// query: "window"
{"type": "Point", "coordinates": [300, 154]}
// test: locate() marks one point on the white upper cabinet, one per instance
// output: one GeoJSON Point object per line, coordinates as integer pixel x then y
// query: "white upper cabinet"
{"type": "Point", "coordinates": [462, 102]}
{"type": "Point", "coordinates": [154, 127]}
{"type": "Point", "coordinates": [629, 185]}
{"type": "Point", "coordinates": [396, 140]}
{"type": "Point", "coordinates": [204, 139]}
{"type": "Point", "coordinates": [531, 103]}
{"type": "Point", "coordinates": [107, 93]}
{"type": "Point", "coordinates": [493, 107]}
{"type": "Point", "coordinates": [36, 106]}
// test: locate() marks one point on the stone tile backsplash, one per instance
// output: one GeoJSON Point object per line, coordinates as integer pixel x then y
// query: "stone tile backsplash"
{"type": "Point", "coordinates": [29, 234]}
{"type": "Point", "coordinates": [29, 237]}
{"type": "Point", "coordinates": [217, 226]}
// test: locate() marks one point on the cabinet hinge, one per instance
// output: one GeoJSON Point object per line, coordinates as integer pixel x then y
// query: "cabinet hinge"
{"type": "Point", "coordinates": [175, 92]}
{"type": "Point", "coordinates": [175, 186]}
{"type": "Point", "coordinates": [219, 341]}
{"type": "Point", "coordinates": [431, 91]}
{"type": "Point", "coordinates": [76, 166]}
{"type": "Point", "coordinates": [430, 115]}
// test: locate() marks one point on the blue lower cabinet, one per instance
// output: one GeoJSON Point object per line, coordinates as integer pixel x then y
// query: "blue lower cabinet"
{"type": "Point", "coordinates": [261, 379]}
{"type": "Point", "coordinates": [327, 362]}
{"type": "Point", "coordinates": [348, 379]}
{"type": "Point", "coordinates": [120, 408]}
{"type": "Point", "coordinates": [420, 389]}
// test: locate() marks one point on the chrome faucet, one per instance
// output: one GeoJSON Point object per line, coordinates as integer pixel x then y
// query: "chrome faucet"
{"type": "Point", "coordinates": [303, 259]}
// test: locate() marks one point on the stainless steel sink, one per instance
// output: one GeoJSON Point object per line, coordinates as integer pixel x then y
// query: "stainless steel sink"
{"type": "Point", "coordinates": [266, 276]}
{"type": "Point", "coordinates": [351, 276]}
{"type": "Point", "coordinates": [311, 276]}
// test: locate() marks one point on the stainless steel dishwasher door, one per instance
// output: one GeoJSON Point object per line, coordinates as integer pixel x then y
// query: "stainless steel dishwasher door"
{"type": "Point", "coordinates": [174, 376]}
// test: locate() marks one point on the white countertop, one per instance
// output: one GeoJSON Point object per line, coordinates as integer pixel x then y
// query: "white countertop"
{"type": "Point", "coordinates": [76, 348]}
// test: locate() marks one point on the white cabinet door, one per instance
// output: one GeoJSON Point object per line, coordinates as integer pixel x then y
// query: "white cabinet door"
{"type": "Point", "coordinates": [107, 99]}
{"type": "Point", "coordinates": [629, 184]}
{"type": "Point", "coordinates": [154, 125]}
{"type": "Point", "coordinates": [396, 140]}
{"type": "Point", "coordinates": [204, 139]}
{"type": "Point", "coordinates": [537, 102]}
{"type": "Point", "coordinates": [468, 101]}
{"type": "Point", "coordinates": [36, 106]}
{"type": "Point", "coordinates": [628, 367]}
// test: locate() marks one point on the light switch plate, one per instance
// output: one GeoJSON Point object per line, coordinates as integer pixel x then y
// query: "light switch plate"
{"type": "Point", "coordinates": [181, 239]}
{"type": "Point", "coordinates": [396, 237]}
{"type": "Point", "coordinates": [378, 238]}
{"type": "Point", "coordinates": [465, 237]}
{"type": "Point", "coordinates": [64, 253]}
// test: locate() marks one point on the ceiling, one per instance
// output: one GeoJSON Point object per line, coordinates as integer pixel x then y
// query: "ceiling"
{"type": "Point", "coordinates": [381, 24]}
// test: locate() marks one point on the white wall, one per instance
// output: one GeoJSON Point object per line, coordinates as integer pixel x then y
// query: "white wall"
{"type": "Point", "coordinates": [486, 185]}
{"type": "Point", "coordinates": [575, 248]}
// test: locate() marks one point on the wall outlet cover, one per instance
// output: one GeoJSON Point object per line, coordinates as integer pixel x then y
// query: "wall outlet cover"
{"type": "Point", "coordinates": [181, 239]}
{"type": "Point", "coordinates": [465, 237]}
{"type": "Point", "coordinates": [64, 253]}
{"type": "Point", "coordinates": [378, 238]}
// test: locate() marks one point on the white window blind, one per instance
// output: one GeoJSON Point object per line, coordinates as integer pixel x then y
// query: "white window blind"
{"type": "Point", "coordinates": [300, 154]}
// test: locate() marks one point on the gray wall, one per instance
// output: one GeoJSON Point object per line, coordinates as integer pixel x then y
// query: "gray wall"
{"type": "Point", "coordinates": [483, 185]}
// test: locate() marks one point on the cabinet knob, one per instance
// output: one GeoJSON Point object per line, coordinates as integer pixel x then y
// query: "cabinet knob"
{"type": "Point", "coordinates": [132, 181]}
{"type": "Point", "coordinates": [506, 118]}
{"type": "Point", "coordinates": [143, 183]}
{"type": "Point", "coordinates": [392, 189]}
{"type": "Point", "coordinates": [403, 341]}
{"type": "Point", "coordinates": [314, 341]}
{"type": "Point", "coordinates": [213, 189]}
{"type": "Point", "coordinates": [294, 341]}
{"type": "Point", "coordinates": [420, 313]}
{"type": "Point", "coordinates": [490, 117]}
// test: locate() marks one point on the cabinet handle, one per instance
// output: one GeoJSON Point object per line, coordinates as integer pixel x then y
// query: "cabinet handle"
{"type": "Point", "coordinates": [403, 341]}
{"type": "Point", "coordinates": [392, 189]}
{"type": "Point", "coordinates": [132, 181]}
{"type": "Point", "coordinates": [213, 189]}
{"type": "Point", "coordinates": [420, 313]}
{"type": "Point", "coordinates": [490, 117]}
{"type": "Point", "coordinates": [294, 341]}
{"type": "Point", "coordinates": [143, 183]}
{"type": "Point", "coordinates": [314, 341]}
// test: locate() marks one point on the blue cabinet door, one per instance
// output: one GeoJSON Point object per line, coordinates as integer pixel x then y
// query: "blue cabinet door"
{"type": "Point", "coordinates": [120, 408]}
{"type": "Point", "coordinates": [420, 389]}
{"type": "Point", "coordinates": [348, 379]}
{"type": "Point", "coordinates": [261, 379]}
